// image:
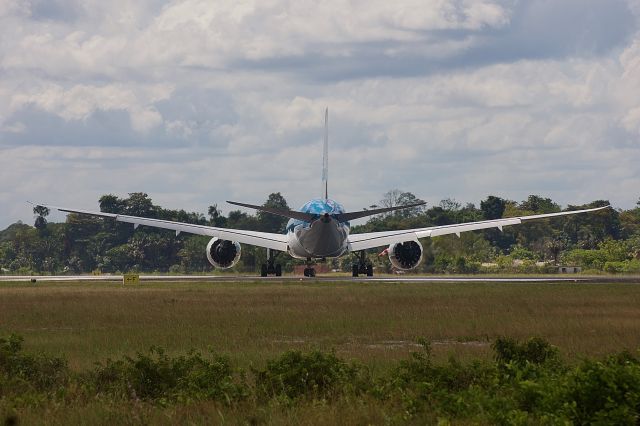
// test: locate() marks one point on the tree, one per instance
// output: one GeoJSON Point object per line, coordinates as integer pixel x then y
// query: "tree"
{"type": "Point", "coordinates": [215, 216]}
{"type": "Point", "coordinates": [407, 199]}
{"type": "Point", "coordinates": [390, 198]}
{"type": "Point", "coordinates": [630, 222]}
{"type": "Point", "coordinates": [450, 204]}
{"type": "Point", "coordinates": [396, 198]}
{"type": "Point", "coordinates": [41, 221]}
{"type": "Point", "coordinates": [269, 222]}
{"type": "Point", "coordinates": [588, 230]}
{"type": "Point", "coordinates": [192, 254]}
{"type": "Point", "coordinates": [139, 204]}
{"type": "Point", "coordinates": [493, 207]}
{"type": "Point", "coordinates": [240, 220]}
{"type": "Point", "coordinates": [537, 204]}
{"type": "Point", "coordinates": [111, 204]}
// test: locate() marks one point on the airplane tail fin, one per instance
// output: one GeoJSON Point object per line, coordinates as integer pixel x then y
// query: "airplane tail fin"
{"type": "Point", "coordinates": [325, 157]}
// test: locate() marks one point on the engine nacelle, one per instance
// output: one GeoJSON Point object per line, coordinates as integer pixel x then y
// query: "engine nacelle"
{"type": "Point", "coordinates": [223, 253]}
{"type": "Point", "coordinates": [405, 255]}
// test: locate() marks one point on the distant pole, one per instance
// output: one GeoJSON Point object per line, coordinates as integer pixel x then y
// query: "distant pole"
{"type": "Point", "coordinates": [325, 155]}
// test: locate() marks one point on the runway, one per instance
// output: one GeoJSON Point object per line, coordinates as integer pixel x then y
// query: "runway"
{"type": "Point", "coordinates": [291, 278]}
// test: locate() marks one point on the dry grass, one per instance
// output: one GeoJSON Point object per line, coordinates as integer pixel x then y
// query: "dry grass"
{"type": "Point", "coordinates": [374, 322]}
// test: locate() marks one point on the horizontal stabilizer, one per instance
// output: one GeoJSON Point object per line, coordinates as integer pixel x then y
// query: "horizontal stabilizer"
{"type": "Point", "coordinates": [346, 217]}
{"type": "Point", "coordinates": [291, 214]}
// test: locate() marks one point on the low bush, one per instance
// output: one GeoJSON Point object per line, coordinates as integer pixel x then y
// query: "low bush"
{"type": "Point", "coordinates": [625, 266]}
{"type": "Point", "coordinates": [604, 392]}
{"type": "Point", "coordinates": [527, 383]}
{"type": "Point", "coordinates": [159, 378]}
{"type": "Point", "coordinates": [534, 350]}
{"type": "Point", "coordinates": [315, 375]}
{"type": "Point", "coordinates": [23, 373]}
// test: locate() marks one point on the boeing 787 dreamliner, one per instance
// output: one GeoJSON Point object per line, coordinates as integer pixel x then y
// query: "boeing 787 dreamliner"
{"type": "Point", "coordinates": [319, 230]}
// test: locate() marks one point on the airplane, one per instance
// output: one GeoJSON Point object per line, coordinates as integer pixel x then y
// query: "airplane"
{"type": "Point", "coordinates": [319, 230]}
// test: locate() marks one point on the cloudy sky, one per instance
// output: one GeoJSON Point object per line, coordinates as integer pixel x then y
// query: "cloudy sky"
{"type": "Point", "coordinates": [195, 102]}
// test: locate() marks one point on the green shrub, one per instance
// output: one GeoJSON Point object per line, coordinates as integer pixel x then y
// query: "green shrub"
{"type": "Point", "coordinates": [534, 350]}
{"type": "Point", "coordinates": [604, 392]}
{"type": "Point", "coordinates": [527, 384]}
{"type": "Point", "coordinates": [521, 253]}
{"type": "Point", "coordinates": [422, 386]}
{"type": "Point", "coordinates": [626, 266]}
{"type": "Point", "coordinates": [20, 372]}
{"type": "Point", "coordinates": [314, 375]}
{"type": "Point", "coordinates": [159, 378]}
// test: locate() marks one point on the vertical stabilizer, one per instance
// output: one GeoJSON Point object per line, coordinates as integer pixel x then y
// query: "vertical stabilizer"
{"type": "Point", "coordinates": [325, 156]}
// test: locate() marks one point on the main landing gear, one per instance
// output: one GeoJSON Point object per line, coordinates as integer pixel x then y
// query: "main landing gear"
{"type": "Point", "coordinates": [362, 267]}
{"type": "Point", "coordinates": [271, 267]}
{"type": "Point", "coordinates": [309, 271]}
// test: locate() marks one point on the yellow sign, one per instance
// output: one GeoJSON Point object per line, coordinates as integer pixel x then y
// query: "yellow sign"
{"type": "Point", "coordinates": [130, 279]}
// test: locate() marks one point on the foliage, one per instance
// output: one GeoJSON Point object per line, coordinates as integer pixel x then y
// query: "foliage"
{"type": "Point", "coordinates": [158, 377]}
{"type": "Point", "coordinates": [535, 351]}
{"type": "Point", "coordinates": [604, 392]}
{"type": "Point", "coordinates": [270, 222]}
{"type": "Point", "coordinates": [23, 373]}
{"type": "Point", "coordinates": [528, 383]}
{"type": "Point", "coordinates": [611, 256]}
{"type": "Point", "coordinates": [521, 253]}
{"type": "Point", "coordinates": [493, 207]}
{"type": "Point", "coordinates": [315, 375]}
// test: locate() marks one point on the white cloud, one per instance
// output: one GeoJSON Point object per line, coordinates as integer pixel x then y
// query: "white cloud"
{"type": "Point", "coordinates": [196, 102]}
{"type": "Point", "coordinates": [79, 102]}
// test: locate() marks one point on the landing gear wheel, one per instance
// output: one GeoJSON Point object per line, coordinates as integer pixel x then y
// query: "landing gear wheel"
{"type": "Point", "coordinates": [355, 270]}
{"type": "Point", "coordinates": [363, 267]}
{"type": "Point", "coordinates": [309, 272]}
{"type": "Point", "coordinates": [271, 268]}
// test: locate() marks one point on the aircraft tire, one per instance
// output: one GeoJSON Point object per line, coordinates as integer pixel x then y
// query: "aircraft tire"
{"type": "Point", "coordinates": [369, 270]}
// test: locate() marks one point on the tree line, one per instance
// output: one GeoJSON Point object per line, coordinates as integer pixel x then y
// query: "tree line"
{"type": "Point", "coordinates": [606, 240]}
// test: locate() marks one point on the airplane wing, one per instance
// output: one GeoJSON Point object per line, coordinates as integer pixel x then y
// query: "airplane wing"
{"type": "Point", "coordinates": [260, 239]}
{"type": "Point", "coordinates": [377, 239]}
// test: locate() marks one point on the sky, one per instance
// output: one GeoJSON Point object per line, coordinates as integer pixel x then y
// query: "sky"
{"type": "Point", "coordinates": [196, 102]}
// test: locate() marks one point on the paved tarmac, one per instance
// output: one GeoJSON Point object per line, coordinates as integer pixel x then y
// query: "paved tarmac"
{"type": "Point", "coordinates": [385, 278]}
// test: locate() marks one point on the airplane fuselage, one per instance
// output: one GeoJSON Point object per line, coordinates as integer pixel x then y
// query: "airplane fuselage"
{"type": "Point", "coordinates": [323, 237]}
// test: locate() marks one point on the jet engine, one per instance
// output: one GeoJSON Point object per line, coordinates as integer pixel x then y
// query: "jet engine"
{"type": "Point", "coordinates": [406, 255]}
{"type": "Point", "coordinates": [223, 253]}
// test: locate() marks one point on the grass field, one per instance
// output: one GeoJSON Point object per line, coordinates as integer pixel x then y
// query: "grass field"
{"type": "Point", "coordinates": [373, 322]}
{"type": "Point", "coordinates": [376, 324]}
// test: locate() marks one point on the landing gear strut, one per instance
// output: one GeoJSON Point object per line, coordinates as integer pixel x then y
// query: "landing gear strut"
{"type": "Point", "coordinates": [362, 267]}
{"type": "Point", "coordinates": [309, 271]}
{"type": "Point", "coordinates": [271, 267]}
